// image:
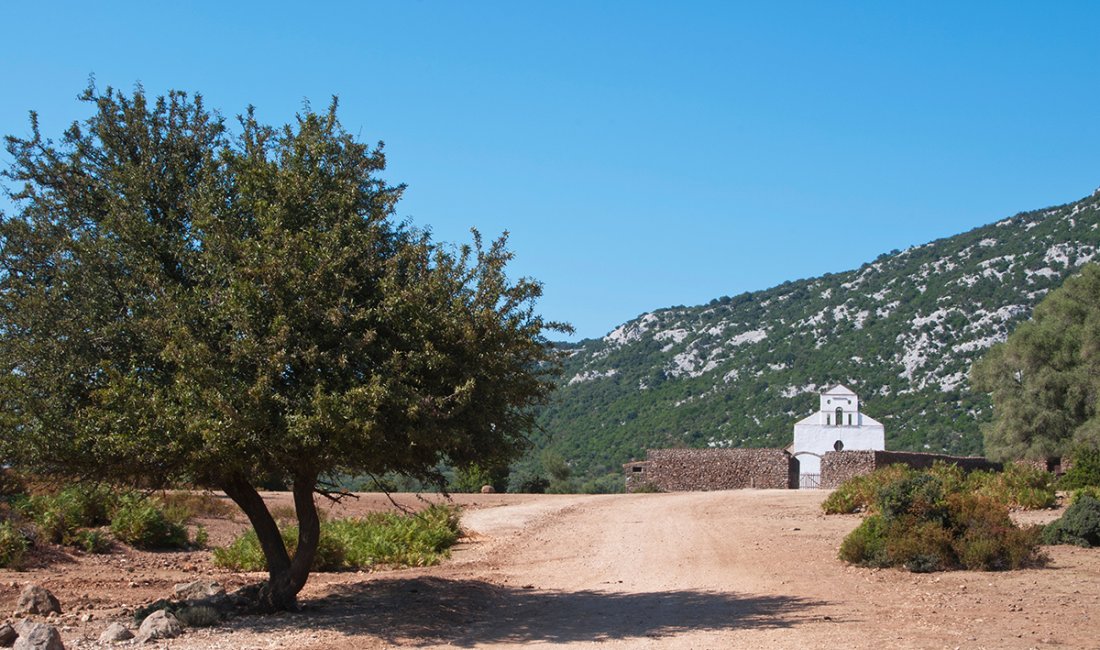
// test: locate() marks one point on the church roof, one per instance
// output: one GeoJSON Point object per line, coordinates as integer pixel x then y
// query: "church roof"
{"type": "Point", "coordinates": [839, 389]}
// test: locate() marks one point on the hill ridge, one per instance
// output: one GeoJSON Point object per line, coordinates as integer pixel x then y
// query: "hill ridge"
{"type": "Point", "coordinates": [901, 330]}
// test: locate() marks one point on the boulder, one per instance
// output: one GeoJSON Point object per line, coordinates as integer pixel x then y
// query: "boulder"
{"type": "Point", "coordinates": [40, 637]}
{"type": "Point", "coordinates": [161, 624]}
{"type": "Point", "coordinates": [199, 590]}
{"type": "Point", "coordinates": [36, 599]}
{"type": "Point", "coordinates": [7, 635]}
{"type": "Point", "coordinates": [116, 632]}
{"type": "Point", "coordinates": [488, 489]}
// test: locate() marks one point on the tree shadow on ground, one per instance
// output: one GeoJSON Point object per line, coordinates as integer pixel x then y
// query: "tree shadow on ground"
{"type": "Point", "coordinates": [469, 613]}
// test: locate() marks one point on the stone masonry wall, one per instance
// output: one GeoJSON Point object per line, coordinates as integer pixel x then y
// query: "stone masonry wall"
{"type": "Point", "coordinates": [839, 466]}
{"type": "Point", "coordinates": [683, 470]}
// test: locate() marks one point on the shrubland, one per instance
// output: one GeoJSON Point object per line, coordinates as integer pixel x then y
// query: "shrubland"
{"type": "Point", "coordinates": [938, 519]}
{"type": "Point", "coordinates": [92, 517]}
{"type": "Point", "coordinates": [390, 539]}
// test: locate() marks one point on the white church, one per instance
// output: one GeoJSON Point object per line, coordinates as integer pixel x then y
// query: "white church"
{"type": "Point", "coordinates": [838, 425]}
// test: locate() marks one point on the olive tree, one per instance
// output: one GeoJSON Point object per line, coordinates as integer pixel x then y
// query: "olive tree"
{"type": "Point", "coordinates": [1045, 379]}
{"type": "Point", "coordinates": [182, 301]}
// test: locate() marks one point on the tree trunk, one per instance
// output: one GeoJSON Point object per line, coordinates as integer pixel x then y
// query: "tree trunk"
{"type": "Point", "coordinates": [285, 577]}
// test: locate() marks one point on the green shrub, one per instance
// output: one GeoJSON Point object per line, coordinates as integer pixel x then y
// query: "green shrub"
{"type": "Point", "coordinates": [381, 538]}
{"type": "Point", "coordinates": [918, 495]}
{"type": "Point", "coordinates": [92, 540]}
{"type": "Point", "coordinates": [1028, 487]}
{"type": "Point", "coordinates": [245, 554]}
{"type": "Point", "coordinates": [866, 545]}
{"type": "Point", "coordinates": [920, 546]}
{"type": "Point", "coordinates": [1090, 491]}
{"type": "Point", "coordinates": [986, 537]}
{"type": "Point", "coordinates": [927, 521]}
{"type": "Point", "coordinates": [1018, 485]}
{"type": "Point", "coordinates": [140, 522]}
{"type": "Point", "coordinates": [858, 493]}
{"type": "Point", "coordinates": [1084, 472]}
{"type": "Point", "coordinates": [60, 516]}
{"type": "Point", "coordinates": [387, 538]}
{"type": "Point", "coordinates": [201, 538]}
{"type": "Point", "coordinates": [1079, 525]}
{"type": "Point", "coordinates": [12, 546]}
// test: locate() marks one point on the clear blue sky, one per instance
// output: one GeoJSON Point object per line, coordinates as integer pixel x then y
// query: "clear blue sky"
{"type": "Point", "coordinates": [642, 154]}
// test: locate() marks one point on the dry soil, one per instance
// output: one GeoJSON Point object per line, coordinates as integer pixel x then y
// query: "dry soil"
{"type": "Point", "coordinates": [738, 569]}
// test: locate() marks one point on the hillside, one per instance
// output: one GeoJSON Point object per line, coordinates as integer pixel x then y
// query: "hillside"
{"type": "Point", "coordinates": [902, 331]}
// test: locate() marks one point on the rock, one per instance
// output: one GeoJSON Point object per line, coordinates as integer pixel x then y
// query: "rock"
{"type": "Point", "coordinates": [40, 637]}
{"type": "Point", "coordinates": [199, 590]}
{"type": "Point", "coordinates": [23, 626]}
{"type": "Point", "coordinates": [116, 632]}
{"type": "Point", "coordinates": [488, 489]}
{"type": "Point", "coordinates": [7, 635]}
{"type": "Point", "coordinates": [36, 599]}
{"type": "Point", "coordinates": [161, 624]}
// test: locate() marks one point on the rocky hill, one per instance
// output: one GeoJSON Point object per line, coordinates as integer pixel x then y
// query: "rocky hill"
{"type": "Point", "coordinates": [902, 331]}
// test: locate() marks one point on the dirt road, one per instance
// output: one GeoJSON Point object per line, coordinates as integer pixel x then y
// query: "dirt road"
{"type": "Point", "coordinates": [741, 569]}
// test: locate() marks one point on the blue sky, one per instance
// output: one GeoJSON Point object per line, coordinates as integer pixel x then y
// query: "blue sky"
{"type": "Point", "coordinates": [641, 154]}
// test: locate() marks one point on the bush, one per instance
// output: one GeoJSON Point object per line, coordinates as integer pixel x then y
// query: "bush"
{"type": "Point", "coordinates": [381, 538]}
{"type": "Point", "coordinates": [928, 521]}
{"type": "Point", "coordinates": [12, 546]}
{"type": "Point", "coordinates": [866, 545]}
{"type": "Point", "coordinates": [140, 522]}
{"type": "Point", "coordinates": [1028, 487]}
{"type": "Point", "coordinates": [11, 484]}
{"type": "Point", "coordinates": [60, 516]}
{"type": "Point", "coordinates": [858, 493]}
{"type": "Point", "coordinates": [1093, 492]}
{"type": "Point", "coordinates": [182, 506]}
{"type": "Point", "coordinates": [1079, 525]}
{"type": "Point", "coordinates": [920, 546]}
{"type": "Point", "coordinates": [1085, 471]}
{"type": "Point", "coordinates": [92, 540]}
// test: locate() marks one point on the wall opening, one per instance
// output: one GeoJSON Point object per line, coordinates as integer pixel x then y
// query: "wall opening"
{"type": "Point", "coordinates": [840, 416]}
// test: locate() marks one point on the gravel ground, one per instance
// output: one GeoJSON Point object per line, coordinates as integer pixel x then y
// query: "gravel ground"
{"type": "Point", "coordinates": [744, 569]}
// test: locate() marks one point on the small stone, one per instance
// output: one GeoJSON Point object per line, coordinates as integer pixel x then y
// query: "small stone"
{"type": "Point", "coordinates": [115, 632]}
{"type": "Point", "coordinates": [36, 599]}
{"type": "Point", "coordinates": [161, 624]}
{"type": "Point", "coordinates": [40, 637]}
{"type": "Point", "coordinates": [86, 617]}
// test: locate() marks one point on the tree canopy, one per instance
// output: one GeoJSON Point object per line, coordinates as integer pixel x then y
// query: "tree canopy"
{"type": "Point", "coordinates": [1045, 379]}
{"type": "Point", "coordinates": [179, 301]}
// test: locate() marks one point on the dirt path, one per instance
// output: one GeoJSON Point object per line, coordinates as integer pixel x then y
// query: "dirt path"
{"type": "Point", "coordinates": [753, 569]}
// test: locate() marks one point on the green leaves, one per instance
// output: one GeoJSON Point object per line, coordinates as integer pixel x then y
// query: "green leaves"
{"type": "Point", "coordinates": [179, 301]}
{"type": "Point", "coordinates": [1045, 379]}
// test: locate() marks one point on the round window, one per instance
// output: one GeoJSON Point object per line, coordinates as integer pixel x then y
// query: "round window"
{"type": "Point", "coordinates": [838, 445]}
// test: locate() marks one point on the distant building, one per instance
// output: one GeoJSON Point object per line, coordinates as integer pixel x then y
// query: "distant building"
{"type": "Point", "coordinates": [837, 426]}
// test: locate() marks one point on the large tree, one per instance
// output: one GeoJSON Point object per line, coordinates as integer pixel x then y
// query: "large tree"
{"type": "Point", "coordinates": [184, 302]}
{"type": "Point", "coordinates": [1045, 379]}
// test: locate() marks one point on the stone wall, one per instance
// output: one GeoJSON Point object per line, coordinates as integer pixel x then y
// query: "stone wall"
{"type": "Point", "coordinates": [839, 466]}
{"type": "Point", "coordinates": [683, 470]}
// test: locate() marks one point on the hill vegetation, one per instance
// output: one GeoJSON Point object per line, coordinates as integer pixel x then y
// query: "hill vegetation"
{"type": "Point", "coordinates": [902, 331]}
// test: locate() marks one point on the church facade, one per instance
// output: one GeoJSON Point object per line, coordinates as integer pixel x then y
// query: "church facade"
{"type": "Point", "coordinates": [838, 425]}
